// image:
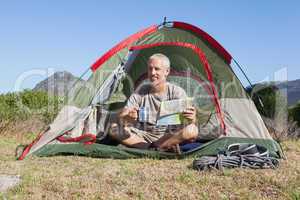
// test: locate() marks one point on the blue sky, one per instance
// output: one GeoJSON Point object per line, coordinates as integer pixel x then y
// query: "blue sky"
{"type": "Point", "coordinates": [36, 36]}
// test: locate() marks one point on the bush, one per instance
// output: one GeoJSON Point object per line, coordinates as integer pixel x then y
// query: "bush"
{"type": "Point", "coordinates": [294, 113]}
{"type": "Point", "coordinates": [281, 122]}
{"type": "Point", "coordinates": [274, 103]}
{"type": "Point", "coordinates": [23, 105]}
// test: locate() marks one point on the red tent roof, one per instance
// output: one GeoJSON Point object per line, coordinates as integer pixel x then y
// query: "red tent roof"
{"type": "Point", "coordinates": [181, 25]}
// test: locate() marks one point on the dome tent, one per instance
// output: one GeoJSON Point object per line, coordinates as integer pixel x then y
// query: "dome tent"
{"type": "Point", "coordinates": [199, 64]}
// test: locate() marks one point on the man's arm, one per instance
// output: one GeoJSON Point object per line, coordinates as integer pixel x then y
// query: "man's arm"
{"type": "Point", "coordinates": [128, 115]}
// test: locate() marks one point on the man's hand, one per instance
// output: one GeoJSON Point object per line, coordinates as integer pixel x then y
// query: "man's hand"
{"type": "Point", "coordinates": [129, 115]}
{"type": "Point", "coordinates": [190, 114]}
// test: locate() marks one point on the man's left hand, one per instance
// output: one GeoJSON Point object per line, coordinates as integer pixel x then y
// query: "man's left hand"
{"type": "Point", "coordinates": [190, 114]}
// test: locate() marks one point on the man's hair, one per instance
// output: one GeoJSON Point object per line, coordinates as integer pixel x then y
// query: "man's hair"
{"type": "Point", "coordinates": [165, 60]}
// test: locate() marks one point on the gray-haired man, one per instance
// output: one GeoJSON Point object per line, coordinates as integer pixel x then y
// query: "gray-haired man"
{"type": "Point", "coordinates": [150, 96]}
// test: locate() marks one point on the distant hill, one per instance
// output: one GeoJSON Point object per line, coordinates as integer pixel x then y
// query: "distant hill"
{"type": "Point", "coordinates": [58, 84]}
{"type": "Point", "coordinates": [292, 88]}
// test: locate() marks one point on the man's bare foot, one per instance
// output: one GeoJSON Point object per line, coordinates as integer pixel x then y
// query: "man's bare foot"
{"type": "Point", "coordinates": [124, 136]}
{"type": "Point", "coordinates": [188, 133]}
{"type": "Point", "coordinates": [118, 133]}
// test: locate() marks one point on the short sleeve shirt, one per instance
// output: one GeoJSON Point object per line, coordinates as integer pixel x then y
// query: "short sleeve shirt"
{"type": "Point", "coordinates": [143, 98]}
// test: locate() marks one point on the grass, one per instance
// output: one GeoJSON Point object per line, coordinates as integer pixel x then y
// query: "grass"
{"type": "Point", "coordinates": [73, 177]}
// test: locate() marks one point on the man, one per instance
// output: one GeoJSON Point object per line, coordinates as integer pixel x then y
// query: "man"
{"type": "Point", "coordinates": [147, 134]}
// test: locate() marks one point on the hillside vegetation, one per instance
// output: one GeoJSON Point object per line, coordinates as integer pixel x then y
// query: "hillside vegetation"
{"type": "Point", "coordinates": [25, 106]}
{"type": "Point", "coordinates": [282, 121]}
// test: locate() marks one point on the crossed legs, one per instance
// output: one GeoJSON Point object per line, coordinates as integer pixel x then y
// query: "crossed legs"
{"type": "Point", "coordinates": [168, 141]}
{"type": "Point", "coordinates": [186, 134]}
{"type": "Point", "coordinates": [126, 137]}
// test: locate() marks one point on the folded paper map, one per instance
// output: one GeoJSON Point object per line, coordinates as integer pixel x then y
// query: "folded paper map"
{"type": "Point", "coordinates": [170, 111]}
{"type": "Point", "coordinates": [174, 106]}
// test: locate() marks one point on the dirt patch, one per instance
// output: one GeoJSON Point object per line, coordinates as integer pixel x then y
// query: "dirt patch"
{"type": "Point", "coordinates": [8, 182]}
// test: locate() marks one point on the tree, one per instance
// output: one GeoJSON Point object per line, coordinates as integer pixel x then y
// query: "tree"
{"type": "Point", "coordinates": [269, 100]}
{"type": "Point", "coordinates": [294, 113]}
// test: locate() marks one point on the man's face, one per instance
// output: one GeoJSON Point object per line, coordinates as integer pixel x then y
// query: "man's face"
{"type": "Point", "coordinates": [157, 73]}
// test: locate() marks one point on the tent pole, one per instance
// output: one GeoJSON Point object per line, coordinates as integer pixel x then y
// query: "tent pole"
{"type": "Point", "coordinates": [81, 77]}
{"type": "Point", "coordinates": [239, 66]}
{"type": "Point", "coordinates": [67, 95]}
{"type": "Point", "coordinates": [165, 20]}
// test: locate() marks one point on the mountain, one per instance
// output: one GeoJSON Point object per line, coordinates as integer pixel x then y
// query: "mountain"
{"type": "Point", "coordinates": [58, 83]}
{"type": "Point", "coordinates": [293, 90]}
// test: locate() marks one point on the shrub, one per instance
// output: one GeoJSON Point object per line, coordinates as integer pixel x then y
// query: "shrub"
{"type": "Point", "coordinates": [294, 113]}
{"type": "Point", "coordinates": [280, 121]}
{"type": "Point", "coordinates": [23, 105]}
{"type": "Point", "coordinates": [274, 102]}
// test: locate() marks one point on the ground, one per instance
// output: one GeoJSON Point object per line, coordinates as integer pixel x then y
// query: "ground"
{"type": "Point", "coordinates": [73, 177]}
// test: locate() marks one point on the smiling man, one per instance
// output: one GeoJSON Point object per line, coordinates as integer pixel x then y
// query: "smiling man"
{"type": "Point", "coordinates": [138, 127]}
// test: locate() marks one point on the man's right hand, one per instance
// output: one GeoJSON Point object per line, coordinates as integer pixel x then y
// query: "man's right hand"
{"type": "Point", "coordinates": [129, 115]}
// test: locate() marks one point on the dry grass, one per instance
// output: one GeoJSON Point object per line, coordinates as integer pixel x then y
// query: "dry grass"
{"type": "Point", "coordinates": [286, 131]}
{"type": "Point", "coordinates": [72, 177]}
{"type": "Point", "coordinates": [20, 128]}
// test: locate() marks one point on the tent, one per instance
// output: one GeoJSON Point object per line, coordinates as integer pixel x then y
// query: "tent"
{"type": "Point", "coordinates": [199, 64]}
